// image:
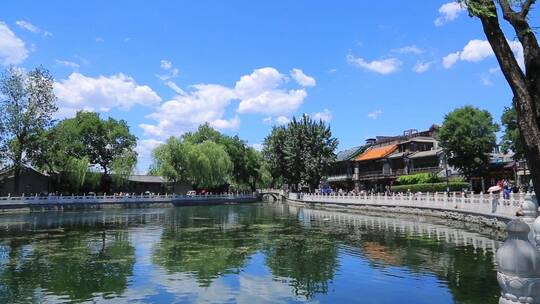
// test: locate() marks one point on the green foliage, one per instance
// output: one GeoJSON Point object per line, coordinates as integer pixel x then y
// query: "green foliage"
{"type": "Point", "coordinates": [75, 172]}
{"type": "Point", "coordinates": [101, 140]}
{"type": "Point", "coordinates": [92, 181]}
{"type": "Point", "coordinates": [301, 152]}
{"type": "Point", "coordinates": [431, 187]}
{"type": "Point", "coordinates": [419, 178]}
{"type": "Point", "coordinates": [208, 164]}
{"type": "Point", "coordinates": [467, 136]}
{"type": "Point", "coordinates": [209, 159]}
{"type": "Point", "coordinates": [511, 139]}
{"type": "Point", "coordinates": [169, 161]}
{"type": "Point", "coordinates": [122, 166]}
{"type": "Point", "coordinates": [27, 102]}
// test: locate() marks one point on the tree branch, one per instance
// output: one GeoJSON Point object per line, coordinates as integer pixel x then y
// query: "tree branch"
{"type": "Point", "coordinates": [525, 8]}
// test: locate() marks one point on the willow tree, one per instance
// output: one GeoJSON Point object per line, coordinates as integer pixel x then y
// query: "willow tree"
{"type": "Point", "coordinates": [525, 84]}
{"type": "Point", "coordinates": [208, 164]}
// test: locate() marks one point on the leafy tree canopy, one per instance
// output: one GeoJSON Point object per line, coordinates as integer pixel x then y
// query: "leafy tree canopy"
{"type": "Point", "coordinates": [511, 138]}
{"type": "Point", "coordinates": [300, 152]}
{"type": "Point", "coordinates": [467, 136]}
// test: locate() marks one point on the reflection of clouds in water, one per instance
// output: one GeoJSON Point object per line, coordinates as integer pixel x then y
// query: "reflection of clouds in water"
{"type": "Point", "coordinates": [265, 289]}
{"type": "Point", "coordinates": [251, 289]}
{"type": "Point", "coordinates": [186, 288]}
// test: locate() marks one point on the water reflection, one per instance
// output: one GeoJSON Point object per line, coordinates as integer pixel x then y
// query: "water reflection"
{"type": "Point", "coordinates": [244, 254]}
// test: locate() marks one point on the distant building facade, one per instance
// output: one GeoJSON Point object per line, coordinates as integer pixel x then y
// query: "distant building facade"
{"type": "Point", "coordinates": [34, 182]}
{"type": "Point", "coordinates": [382, 160]}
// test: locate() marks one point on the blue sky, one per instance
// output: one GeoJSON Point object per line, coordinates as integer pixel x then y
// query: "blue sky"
{"type": "Point", "coordinates": [167, 66]}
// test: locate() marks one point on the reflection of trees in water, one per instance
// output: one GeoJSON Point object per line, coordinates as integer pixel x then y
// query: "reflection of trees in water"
{"type": "Point", "coordinates": [80, 262]}
{"type": "Point", "coordinates": [213, 244]}
{"type": "Point", "coordinates": [206, 253]}
{"type": "Point", "coordinates": [307, 256]}
{"type": "Point", "coordinates": [77, 265]}
{"type": "Point", "coordinates": [469, 273]}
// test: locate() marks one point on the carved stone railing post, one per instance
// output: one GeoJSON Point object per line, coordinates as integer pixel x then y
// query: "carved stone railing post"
{"type": "Point", "coordinates": [518, 259]}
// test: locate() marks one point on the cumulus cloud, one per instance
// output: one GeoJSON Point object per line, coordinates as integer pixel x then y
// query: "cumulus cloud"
{"type": "Point", "coordinates": [80, 92]}
{"type": "Point", "coordinates": [202, 103]}
{"type": "Point", "coordinates": [303, 79]}
{"type": "Point", "coordinates": [262, 92]}
{"type": "Point", "coordinates": [12, 48]}
{"type": "Point", "coordinates": [383, 66]}
{"type": "Point", "coordinates": [32, 28]}
{"type": "Point", "coordinates": [325, 115]}
{"type": "Point", "coordinates": [477, 50]}
{"type": "Point", "coordinates": [409, 49]}
{"type": "Point", "coordinates": [375, 114]}
{"type": "Point", "coordinates": [421, 67]}
{"type": "Point", "coordinates": [449, 12]}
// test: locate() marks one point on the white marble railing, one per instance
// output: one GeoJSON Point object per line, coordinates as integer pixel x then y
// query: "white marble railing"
{"type": "Point", "coordinates": [492, 205]}
{"type": "Point", "coordinates": [111, 199]}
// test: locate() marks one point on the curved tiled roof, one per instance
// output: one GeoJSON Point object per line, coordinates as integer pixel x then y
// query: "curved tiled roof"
{"type": "Point", "coordinates": [348, 154]}
{"type": "Point", "coordinates": [376, 153]}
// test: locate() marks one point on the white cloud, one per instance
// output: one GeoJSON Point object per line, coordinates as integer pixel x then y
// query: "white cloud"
{"type": "Point", "coordinates": [262, 92]}
{"type": "Point", "coordinates": [477, 50]}
{"type": "Point", "coordinates": [12, 48]}
{"type": "Point", "coordinates": [303, 79]}
{"type": "Point", "coordinates": [257, 147]}
{"type": "Point", "coordinates": [375, 114]}
{"type": "Point", "coordinates": [486, 77]}
{"type": "Point", "coordinates": [383, 66]}
{"type": "Point", "coordinates": [32, 28]}
{"type": "Point", "coordinates": [409, 49]}
{"type": "Point", "coordinates": [165, 64]}
{"type": "Point", "coordinates": [421, 67]}
{"type": "Point", "coordinates": [332, 71]}
{"type": "Point", "coordinates": [450, 59]}
{"type": "Point", "coordinates": [185, 112]}
{"type": "Point", "coordinates": [67, 63]}
{"type": "Point", "coordinates": [100, 40]}
{"type": "Point", "coordinates": [171, 72]}
{"type": "Point", "coordinates": [79, 92]}
{"type": "Point", "coordinates": [325, 115]}
{"type": "Point", "coordinates": [273, 102]}
{"type": "Point", "coordinates": [448, 12]}
{"type": "Point", "coordinates": [144, 151]}
{"type": "Point", "coordinates": [282, 120]}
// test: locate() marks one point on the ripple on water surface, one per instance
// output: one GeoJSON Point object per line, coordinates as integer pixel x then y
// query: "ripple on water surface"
{"type": "Point", "coordinates": [262, 253]}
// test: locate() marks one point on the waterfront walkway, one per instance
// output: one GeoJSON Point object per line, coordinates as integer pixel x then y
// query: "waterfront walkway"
{"type": "Point", "coordinates": [52, 201]}
{"type": "Point", "coordinates": [490, 206]}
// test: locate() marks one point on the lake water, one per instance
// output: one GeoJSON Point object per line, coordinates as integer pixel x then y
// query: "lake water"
{"type": "Point", "coordinates": [260, 253]}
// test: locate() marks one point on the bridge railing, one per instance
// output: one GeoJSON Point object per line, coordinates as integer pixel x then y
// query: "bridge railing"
{"type": "Point", "coordinates": [490, 204]}
{"type": "Point", "coordinates": [134, 198]}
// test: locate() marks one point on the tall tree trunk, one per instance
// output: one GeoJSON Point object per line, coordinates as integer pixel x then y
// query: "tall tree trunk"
{"type": "Point", "coordinates": [525, 86]}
